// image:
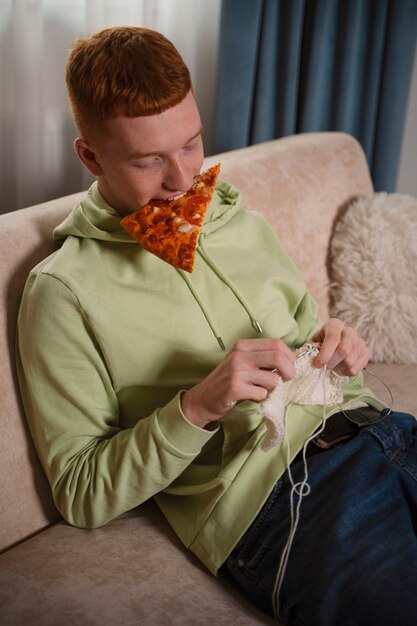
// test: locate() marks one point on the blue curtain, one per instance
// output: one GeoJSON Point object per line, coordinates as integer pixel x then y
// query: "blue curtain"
{"type": "Point", "coordinates": [290, 66]}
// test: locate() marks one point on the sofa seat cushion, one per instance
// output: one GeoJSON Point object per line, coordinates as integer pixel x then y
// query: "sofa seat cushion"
{"type": "Point", "coordinates": [402, 381]}
{"type": "Point", "coordinates": [132, 571]}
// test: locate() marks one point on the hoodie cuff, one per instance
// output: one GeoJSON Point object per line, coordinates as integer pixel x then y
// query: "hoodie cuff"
{"type": "Point", "coordinates": [181, 434]}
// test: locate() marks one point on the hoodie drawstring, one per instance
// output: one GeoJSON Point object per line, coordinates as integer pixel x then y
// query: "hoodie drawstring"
{"type": "Point", "coordinates": [218, 271]}
{"type": "Point", "coordinates": [222, 276]}
{"type": "Point", "coordinates": [203, 309]}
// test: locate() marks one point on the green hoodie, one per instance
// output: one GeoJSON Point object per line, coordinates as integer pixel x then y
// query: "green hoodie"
{"type": "Point", "coordinates": [108, 338]}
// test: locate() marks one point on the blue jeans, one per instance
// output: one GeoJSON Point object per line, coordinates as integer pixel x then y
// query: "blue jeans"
{"type": "Point", "coordinates": [353, 561]}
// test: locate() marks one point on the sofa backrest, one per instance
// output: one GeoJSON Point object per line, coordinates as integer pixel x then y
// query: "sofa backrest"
{"type": "Point", "coordinates": [25, 502]}
{"type": "Point", "coordinates": [300, 183]}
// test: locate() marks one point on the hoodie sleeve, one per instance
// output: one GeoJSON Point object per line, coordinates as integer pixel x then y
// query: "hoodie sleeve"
{"type": "Point", "coordinates": [96, 469]}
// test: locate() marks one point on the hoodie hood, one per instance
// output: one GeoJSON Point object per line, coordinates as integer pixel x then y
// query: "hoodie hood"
{"type": "Point", "coordinates": [94, 218]}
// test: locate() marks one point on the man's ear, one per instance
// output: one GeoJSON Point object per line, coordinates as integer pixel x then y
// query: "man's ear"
{"type": "Point", "coordinates": [88, 157]}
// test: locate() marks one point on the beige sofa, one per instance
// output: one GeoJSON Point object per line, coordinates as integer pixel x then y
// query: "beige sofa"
{"type": "Point", "coordinates": [134, 570]}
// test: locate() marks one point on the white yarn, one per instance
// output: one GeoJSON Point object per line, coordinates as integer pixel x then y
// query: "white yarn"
{"type": "Point", "coordinates": [301, 489]}
{"type": "Point", "coordinates": [303, 389]}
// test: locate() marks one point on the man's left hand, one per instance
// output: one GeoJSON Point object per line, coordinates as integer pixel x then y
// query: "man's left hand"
{"type": "Point", "coordinates": [341, 348]}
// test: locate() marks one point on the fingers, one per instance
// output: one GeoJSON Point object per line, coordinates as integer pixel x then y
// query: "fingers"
{"type": "Point", "coordinates": [254, 366]}
{"type": "Point", "coordinates": [248, 372]}
{"type": "Point", "coordinates": [264, 354]}
{"type": "Point", "coordinates": [341, 348]}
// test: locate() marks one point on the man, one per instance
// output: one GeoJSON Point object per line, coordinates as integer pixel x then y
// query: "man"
{"type": "Point", "coordinates": [127, 388]}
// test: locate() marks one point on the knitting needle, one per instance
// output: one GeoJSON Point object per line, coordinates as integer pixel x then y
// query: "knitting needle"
{"type": "Point", "coordinates": [305, 352]}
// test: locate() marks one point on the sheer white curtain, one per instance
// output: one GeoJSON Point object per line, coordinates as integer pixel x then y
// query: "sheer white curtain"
{"type": "Point", "coordinates": [37, 161]}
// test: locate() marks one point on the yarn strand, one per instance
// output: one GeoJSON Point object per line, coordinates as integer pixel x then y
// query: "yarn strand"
{"type": "Point", "coordinates": [300, 489]}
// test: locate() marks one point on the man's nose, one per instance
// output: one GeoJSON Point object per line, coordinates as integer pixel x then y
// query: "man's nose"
{"type": "Point", "coordinates": [178, 177]}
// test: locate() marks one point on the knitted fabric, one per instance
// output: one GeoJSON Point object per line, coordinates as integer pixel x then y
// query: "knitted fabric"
{"type": "Point", "coordinates": [310, 386]}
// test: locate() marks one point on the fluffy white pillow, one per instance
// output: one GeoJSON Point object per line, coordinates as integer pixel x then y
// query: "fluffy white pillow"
{"type": "Point", "coordinates": [373, 269]}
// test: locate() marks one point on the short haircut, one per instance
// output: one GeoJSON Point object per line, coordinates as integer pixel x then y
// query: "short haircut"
{"type": "Point", "coordinates": [123, 71]}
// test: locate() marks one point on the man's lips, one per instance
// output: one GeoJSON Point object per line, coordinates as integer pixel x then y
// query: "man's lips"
{"type": "Point", "coordinates": [177, 197]}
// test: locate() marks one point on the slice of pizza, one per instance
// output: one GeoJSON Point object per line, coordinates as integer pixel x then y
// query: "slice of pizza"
{"type": "Point", "coordinates": [170, 228]}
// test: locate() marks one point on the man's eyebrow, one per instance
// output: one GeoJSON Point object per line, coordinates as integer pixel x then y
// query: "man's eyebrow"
{"type": "Point", "coordinates": [143, 155]}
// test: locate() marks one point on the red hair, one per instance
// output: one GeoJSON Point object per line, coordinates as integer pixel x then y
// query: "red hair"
{"type": "Point", "coordinates": [124, 71]}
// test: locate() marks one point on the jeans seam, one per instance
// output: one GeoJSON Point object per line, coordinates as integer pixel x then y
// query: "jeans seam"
{"type": "Point", "coordinates": [401, 461]}
{"type": "Point", "coordinates": [252, 533]}
{"type": "Point", "coordinates": [386, 441]}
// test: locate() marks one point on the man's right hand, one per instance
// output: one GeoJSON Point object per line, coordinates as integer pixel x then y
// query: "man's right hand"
{"type": "Point", "coordinates": [248, 372]}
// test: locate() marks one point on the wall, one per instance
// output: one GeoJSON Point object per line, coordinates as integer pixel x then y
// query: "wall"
{"type": "Point", "coordinates": [407, 174]}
